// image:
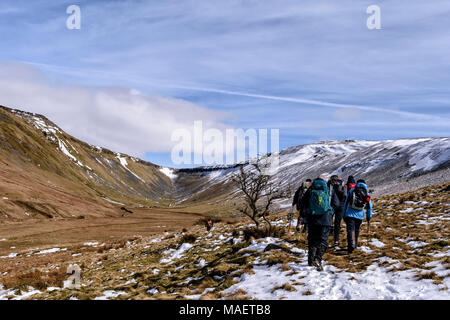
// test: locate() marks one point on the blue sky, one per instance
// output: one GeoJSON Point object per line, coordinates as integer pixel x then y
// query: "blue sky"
{"type": "Point", "coordinates": [309, 68]}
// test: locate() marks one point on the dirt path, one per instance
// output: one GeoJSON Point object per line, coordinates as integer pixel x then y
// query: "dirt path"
{"type": "Point", "coordinates": [47, 233]}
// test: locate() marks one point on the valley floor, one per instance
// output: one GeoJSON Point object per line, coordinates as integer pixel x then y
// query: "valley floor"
{"type": "Point", "coordinates": [19, 236]}
{"type": "Point", "coordinates": [406, 256]}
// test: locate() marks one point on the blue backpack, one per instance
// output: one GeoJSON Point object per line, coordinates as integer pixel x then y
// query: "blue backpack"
{"type": "Point", "coordinates": [319, 200]}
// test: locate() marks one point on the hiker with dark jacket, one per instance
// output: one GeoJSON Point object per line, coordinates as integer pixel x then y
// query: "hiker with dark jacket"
{"type": "Point", "coordinates": [319, 213]}
{"type": "Point", "coordinates": [209, 224]}
{"type": "Point", "coordinates": [351, 183]}
{"type": "Point", "coordinates": [301, 191]}
{"type": "Point", "coordinates": [336, 186]}
{"type": "Point", "coordinates": [357, 202]}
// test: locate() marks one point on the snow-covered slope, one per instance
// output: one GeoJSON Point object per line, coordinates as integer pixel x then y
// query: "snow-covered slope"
{"type": "Point", "coordinates": [383, 164]}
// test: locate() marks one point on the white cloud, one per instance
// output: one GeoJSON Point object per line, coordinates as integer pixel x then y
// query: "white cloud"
{"type": "Point", "coordinates": [121, 119]}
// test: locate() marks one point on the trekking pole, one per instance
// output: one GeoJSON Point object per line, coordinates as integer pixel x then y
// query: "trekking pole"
{"type": "Point", "coordinates": [368, 232]}
{"type": "Point", "coordinates": [306, 238]}
{"type": "Point", "coordinates": [290, 216]}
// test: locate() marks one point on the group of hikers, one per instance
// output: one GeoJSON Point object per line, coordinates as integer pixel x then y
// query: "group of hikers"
{"type": "Point", "coordinates": [318, 201]}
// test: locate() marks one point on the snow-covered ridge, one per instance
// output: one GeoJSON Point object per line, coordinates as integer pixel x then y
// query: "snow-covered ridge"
{"type": "Point", "coordinates": [379, 162]}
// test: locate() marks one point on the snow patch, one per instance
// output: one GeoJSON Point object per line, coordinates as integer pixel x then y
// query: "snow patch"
{"type": "Point", "coordinates": [176, 254]}
{"type": "Point", "coordinates": [124, 163]}
{"type": "Point", "coordinates": [110, 294]}
{"type": "Point", "coordinates": [169, 172]}
{"type": "Point", "coordinates": [53, 250]}
{"type": "Point", "coordinates": [377, 243]}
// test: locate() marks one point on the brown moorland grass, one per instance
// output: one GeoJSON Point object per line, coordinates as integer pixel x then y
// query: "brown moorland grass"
{"type": "Point", "coordinates": [133, 265]}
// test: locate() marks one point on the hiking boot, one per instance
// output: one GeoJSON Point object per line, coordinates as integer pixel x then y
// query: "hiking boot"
{"type": "Point", "coordinates": [311, 255]}
{"type": "Point", "coordinates": [318, 264]}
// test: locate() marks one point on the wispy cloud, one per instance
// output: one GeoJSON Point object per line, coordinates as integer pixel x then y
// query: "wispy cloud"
{"type": "Point", "coordinates": [121, 119]}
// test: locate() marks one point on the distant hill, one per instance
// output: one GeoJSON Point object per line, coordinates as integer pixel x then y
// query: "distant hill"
{"type": "Point", "coordinates": [47, 173]}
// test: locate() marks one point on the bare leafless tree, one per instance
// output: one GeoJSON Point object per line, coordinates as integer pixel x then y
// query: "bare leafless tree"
{"type": "Point", "coordinates": [258, 192]}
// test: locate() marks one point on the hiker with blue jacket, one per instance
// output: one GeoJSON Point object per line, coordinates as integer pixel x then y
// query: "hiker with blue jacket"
{"type": "Point", "coordinates": [319, 216]}
{"type": "Point", "coordinates": [356, 204]}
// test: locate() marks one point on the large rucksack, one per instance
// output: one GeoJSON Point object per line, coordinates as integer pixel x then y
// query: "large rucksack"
{"type": "Point", "coordinates": [359, 198]}
{"type": "Point", "coordinates": [338, 199]}
{"type": "Point", "coordinates": [350, 186]}
{"type": "Point", "coordinates": [319, 199]}
{"type": "Point", "coordinates": [338, 188]}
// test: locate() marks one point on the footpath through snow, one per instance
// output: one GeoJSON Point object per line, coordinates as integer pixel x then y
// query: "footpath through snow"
{"type": "Point", "coordinates": [304, 282]}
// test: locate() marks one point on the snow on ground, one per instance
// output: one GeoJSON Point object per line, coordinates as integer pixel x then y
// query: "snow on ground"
{"type": "Point", "coordinates": [122, 160]}
{"type": "Point", "coordinates": [260, 245]}
{"type": "Point", "coordinates": [124, 163]}
{"type": "Point", "coordinates": [440, 254]}
{"type": "Point", "coordinates": [365, 249]}
{"type": "Point", "coordinates": [152, 291]}
{"type": "Point", "coordinates": [215, 174]}
{"type": "Point", "coordinates": [110, 294]}
{"type": "Point", "coordinates": [53, 250]}
{"type": "Point", "coordinates": [307, 152]}
{"type": "Point", "coordinates": [377, 243]}
{"type": "Point", "coordinates": [115, 202]}
{"type": "Point", "coordinates": [64, 150]}
{"type": "Point", "coordinates": [426, 157]}
{"type": "Point", "coordinates": [374, 283]}
{"type": "Point", "coordinates": [40, 124]}
{"type": "Point", "coordinates": [176, 254]}
{"type": "Point", "coordinates": [201, 263]}
{"type": "Point", "coordinates": [91, 244]}
{"type": "Point", "coordinates": [15, 294]}
{"type": "Point", "coordinates": [416, 244]}
{"type": "Point", "coordinates": [169, 172]}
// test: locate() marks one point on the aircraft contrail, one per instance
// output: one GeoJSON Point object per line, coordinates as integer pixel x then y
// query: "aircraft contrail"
{"type": "Point", "coordinates": [312, 102]}
{"type": "Point", "coordinates": [139, 80]}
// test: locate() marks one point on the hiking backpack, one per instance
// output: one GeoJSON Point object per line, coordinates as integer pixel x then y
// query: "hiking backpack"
{"type": "Point", "coordinates": [319, 199]}
{"type": "Point", "coordinates": [359, 198]}
{"type": "Point", "coordinates": [350, 186]}
{"type": "Point", "coordinates": [338, 189]}
{"type": "Point", "coordinates": [336, 185]}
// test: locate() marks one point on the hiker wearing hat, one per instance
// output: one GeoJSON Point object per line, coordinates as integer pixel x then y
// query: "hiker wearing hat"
{"type": "Point", "coordinates": [209, 224]}
{"type": "Point", "coordinates": [351, 183]}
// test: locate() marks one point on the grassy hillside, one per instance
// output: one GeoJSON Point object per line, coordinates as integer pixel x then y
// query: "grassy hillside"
{"type": "Point", "coordinates": [404, 257]}
{"type": "Point", "coordinates": [46, 173]}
